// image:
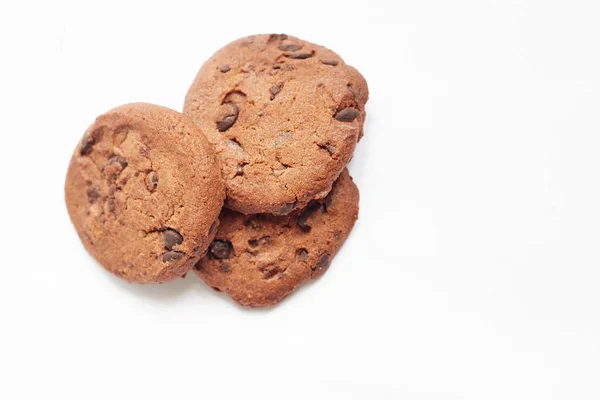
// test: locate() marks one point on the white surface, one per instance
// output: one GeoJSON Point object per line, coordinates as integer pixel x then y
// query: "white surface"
{"type": "Point", "coordinates": [473, 271]}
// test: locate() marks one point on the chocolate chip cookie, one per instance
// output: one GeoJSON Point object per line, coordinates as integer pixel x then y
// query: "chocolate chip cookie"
{"type": "Point", "coordinates": [259, 259]}
{"type": "Point", "coordinates": [144, 192]}
{"type": "Point", "coordinates": [284, 116]}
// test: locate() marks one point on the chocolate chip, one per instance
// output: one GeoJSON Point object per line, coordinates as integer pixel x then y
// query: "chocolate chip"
{"type": "Point", "coordinates": [323, 262]}
{"type": "Point", "coordinates": [299, 56]}
{"type": "Point", "coordinates": [304, 227]}
{"type": "Point", "coordinates": [151, 181]}
{"type": "Point", "coordinates": [93, 195]}
{"type": "Point", "coordinates": [225, 268]}
{"type": "Point", "coordinates": [310, 209]}
{"type": "Point", "coordinates": [302, 254]}
{"type": "Point", "coordinates": [198, 266]}
{"type": "Point", "coordinates": [220, 249]}
{"type": "Point", "coordinates": [289, 47]}
{"type": "Point", "coordinates": [225, 68]}
{"type": "Point", "coordinates": [333, 63]}
{"type": "Point", "coordinates": [86, 145]}
{"type": "Point", "coordinates": [226, 123]}
{"type": "Point", "coordinates": [228, 119]}
{"type": "Point", "coordinates": [285, 209]}
{"type": "Point", "coordinates": [269, 271]}
{"type": "Point", "coordinates": [90, 139]}
{"type": "Point", "coordinates": [216, 289]}
{"type": "Point", "coordinates": [172, 256]}
{"type": "Point", "coordinates": [276, 89]}
{"type": "Point", "coordinates": [347, 114]}
{"type": "Point", "coordinates": [253, 242]}
{"type": "Point", "coordinates": [277, 36]}
{"type": "Point", "coordinates": [117, 159]}
{"type": "Point", "coordinates": [171, 238]}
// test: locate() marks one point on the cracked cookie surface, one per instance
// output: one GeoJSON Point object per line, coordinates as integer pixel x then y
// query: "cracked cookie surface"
{"type": "Point", "coordinates": [284, 116]}
{"type": "Point", "coordinates": [259, 259]}
{"type": "Point", "coordinates": [144, 192]}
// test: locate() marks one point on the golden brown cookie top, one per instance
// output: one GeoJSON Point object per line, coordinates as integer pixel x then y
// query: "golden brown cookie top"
{"type": "Point", "coordinates": [143, 190]}
{"type": "Point", "coordinates": [284, 116]}
{"type": "Point", "coordinates": [260, 259]}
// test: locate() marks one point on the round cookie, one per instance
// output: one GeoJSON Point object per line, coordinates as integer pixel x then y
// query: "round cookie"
{"type": "Point", "coordinates": [284, 116]}
{"type": "Point", "coordinates": [259, 259]}
{"type": "Point", "coordinates": [144, 192]}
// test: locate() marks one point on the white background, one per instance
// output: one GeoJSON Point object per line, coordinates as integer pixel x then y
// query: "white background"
{"type": "Point", "coordinates": [472, 273]}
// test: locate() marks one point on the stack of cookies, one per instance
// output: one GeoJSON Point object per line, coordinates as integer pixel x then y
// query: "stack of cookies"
{"type": "Point", "coordinates": [267, 129]}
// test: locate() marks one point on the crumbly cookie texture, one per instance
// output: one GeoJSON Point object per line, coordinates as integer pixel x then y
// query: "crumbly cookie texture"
{"type": "Point", "coordinates": [144, 192]}
{"type": "Point", "coordinates": [259, 259]}
{"type": "Point", "coordinates": [284, 116]}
